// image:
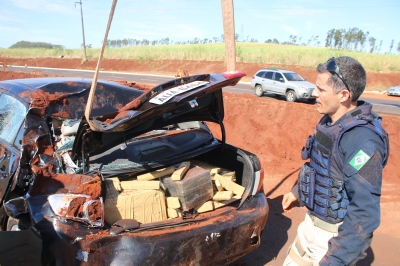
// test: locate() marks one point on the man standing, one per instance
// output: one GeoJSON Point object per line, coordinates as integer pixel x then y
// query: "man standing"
{"type": "Point", "coordinates": [341, 184]}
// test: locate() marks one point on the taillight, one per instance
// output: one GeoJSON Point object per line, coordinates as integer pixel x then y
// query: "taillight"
{"type": "Point", "coordinates": [233, 74]}
{"type": "Point", "coordinates": [78, 207]}
{"type": "Point", "coordinates": [258, 181]}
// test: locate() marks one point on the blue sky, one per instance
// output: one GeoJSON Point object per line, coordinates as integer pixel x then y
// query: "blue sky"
{"type": "Point", "coordinates": [59, 21]}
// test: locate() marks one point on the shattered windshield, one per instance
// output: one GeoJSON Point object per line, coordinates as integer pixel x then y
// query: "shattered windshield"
{"type": "Point", "coordinates": [12, 113]}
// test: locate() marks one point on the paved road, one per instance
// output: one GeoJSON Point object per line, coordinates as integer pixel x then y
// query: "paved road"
{"type": "Point", "coordinates": [382, 105]}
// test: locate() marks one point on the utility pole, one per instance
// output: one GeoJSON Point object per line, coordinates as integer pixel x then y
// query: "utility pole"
{"type": "Point", "coordinates": [83, 32]}
{"type": "Point", "coordinates": [229, 34]}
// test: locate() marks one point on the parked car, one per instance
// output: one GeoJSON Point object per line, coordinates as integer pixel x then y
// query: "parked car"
{"type": "Point", "coordinates": [70, 190]}
{"type": "Point", "coordinates": [282, 82]}
{"type": "Point", "coordinates": [394, 91]}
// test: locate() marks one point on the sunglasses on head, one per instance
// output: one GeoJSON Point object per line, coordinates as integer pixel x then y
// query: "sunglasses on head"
{"type": "Point", "coordinates": [334, 69]}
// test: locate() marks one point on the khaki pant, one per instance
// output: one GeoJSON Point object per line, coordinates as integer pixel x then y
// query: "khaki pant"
{"type": "Point", "coordinates": [311, 245]}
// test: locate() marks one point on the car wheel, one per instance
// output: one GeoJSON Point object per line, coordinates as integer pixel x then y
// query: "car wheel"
{"type": "Point", "coordinates": [291, 96]}
{"type": "Point", "coordinates": [8, 223]}
{"type": "Point", "coordinates": [13, 224]}
{"type": "Point", "coordinates": [259, 91]}
{"type": "Point", "coordinates": [3, 219]}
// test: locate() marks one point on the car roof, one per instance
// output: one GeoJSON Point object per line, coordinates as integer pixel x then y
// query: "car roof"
{"type": "Point", "coordinates": [17, 86]}
{"type": "Point", "coordinates": [278, 69]}
{"type": "Point", "coordinates": [48, 94]}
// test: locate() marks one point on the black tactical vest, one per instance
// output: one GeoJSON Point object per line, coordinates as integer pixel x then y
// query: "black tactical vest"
{"type": "Point", "coordinates": [321, 186]}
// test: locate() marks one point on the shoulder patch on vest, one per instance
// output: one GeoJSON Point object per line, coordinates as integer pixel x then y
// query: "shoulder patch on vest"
{"type": "Point", "coordinates": [359, 160]}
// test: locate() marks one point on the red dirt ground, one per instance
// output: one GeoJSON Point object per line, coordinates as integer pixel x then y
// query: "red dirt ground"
{"type": "Point", "coordinates": [274, 130]}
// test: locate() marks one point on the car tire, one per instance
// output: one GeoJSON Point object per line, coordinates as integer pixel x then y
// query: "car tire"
{"type": "Point", "coordinates": [3, 219]}
{"type": "Point", "coordinates": [8, 223]}
{"type": "Point", "coordinates": [259, 91]}
{"type": "Point", "coordinates": [12, 224]}
{"type": "Point", "coordinates": [291, 96]}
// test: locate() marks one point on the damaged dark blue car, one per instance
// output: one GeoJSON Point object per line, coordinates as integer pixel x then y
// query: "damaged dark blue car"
{"type": "Point", "coordinates": [141, 181]}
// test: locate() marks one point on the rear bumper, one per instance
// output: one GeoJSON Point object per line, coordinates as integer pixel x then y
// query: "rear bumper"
{"type": "Point", "coordinates": [216, 238]}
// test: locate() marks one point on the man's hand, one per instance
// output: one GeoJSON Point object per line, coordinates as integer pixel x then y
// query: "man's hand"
{"type": "Point", "coordinates": [287, 201]}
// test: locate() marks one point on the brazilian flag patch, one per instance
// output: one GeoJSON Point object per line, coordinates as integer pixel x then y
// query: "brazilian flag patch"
{"type": "Point", "coordinates": [359, 160]}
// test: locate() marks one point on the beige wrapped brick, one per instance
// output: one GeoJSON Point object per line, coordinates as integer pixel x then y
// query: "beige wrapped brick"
{"type": "Point", "coordinates": [218, 185]}
{"type": "Point", "coordinates": [231, 175]}
{"type": "Point", "coordinates": [214, 171]}
{"type": "Point", "coordinates": [219, 204]}
{"type": "Point", "coordinates": [223, 195]}
{"type": "Point", "coordinates": [229, 185]}
{"type": "Point", "coordinates": [173, 202]}
{"type": "Point", "coordinates": [145, 206]}
{"type": "Point", "coordinates": [206, 207]}
{"type": "Point", "coordinates": [139, 185]}
{"type": "Point", "coordinates": [172, 213]}
{"type": "Point", "coordinates": [181, 171]}
{"type": "Point", "coordinates": [156, 174]}
{"type": "Point", "coordinates": [212, 205]}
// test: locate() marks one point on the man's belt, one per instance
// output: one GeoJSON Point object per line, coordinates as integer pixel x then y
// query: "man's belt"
{"type": "Point", "coordinates": [333, 228]}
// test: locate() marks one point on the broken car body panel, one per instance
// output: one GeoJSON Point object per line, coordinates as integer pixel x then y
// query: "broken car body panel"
{"type": "Point", "coordinates": [53, 186]}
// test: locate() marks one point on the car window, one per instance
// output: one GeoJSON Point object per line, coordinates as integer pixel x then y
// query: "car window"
{"type": "Point", "coordinates": [269, 74]}
{"type": "Point", "coordinates": [12, 114]}
{"type": "Point", "coordinates": [18, 139]}
{"type": "Point", "coordinates": [278, 76]}
{"type": "Point", "coordinates": [260, 74]}
{"type": "Point", "coordinates": [293, 77]}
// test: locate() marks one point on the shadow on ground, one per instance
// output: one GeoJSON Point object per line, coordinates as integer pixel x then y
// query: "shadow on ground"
{"type": "Point", "coordinates": [273, 238]}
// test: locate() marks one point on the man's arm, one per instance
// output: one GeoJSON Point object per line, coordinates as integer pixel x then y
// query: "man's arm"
{"type": "Point", "coordinates": [363, 157]}
{"type": "Point", "coordinates": [289, 198]}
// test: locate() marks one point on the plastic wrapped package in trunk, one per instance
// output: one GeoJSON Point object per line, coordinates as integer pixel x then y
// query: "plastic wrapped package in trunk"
{"type": "Point", "coordinates": [193, 190]}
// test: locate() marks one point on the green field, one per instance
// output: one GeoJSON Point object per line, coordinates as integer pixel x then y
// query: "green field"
{"type": "Point", "coordinates": [263, 53]}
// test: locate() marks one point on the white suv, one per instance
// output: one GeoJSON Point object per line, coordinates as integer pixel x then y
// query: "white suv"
{"type": "Point", "coordinates": [282, 82]}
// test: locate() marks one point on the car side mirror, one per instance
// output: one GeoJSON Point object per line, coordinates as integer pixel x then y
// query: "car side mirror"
{"type": "Point", "coordinates": [281, 80]}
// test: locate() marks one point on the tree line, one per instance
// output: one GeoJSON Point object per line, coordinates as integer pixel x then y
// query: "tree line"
{"type": "Point", "coordinates": [341, 39]}
{"type": "Point", "coordinates": [25, 44]}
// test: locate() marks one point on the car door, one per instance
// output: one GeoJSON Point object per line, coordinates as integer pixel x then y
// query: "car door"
{"type": "Point", "coordinates": [266, 82]}
{"type": "Point", "coordinates": [278, 83]}
{"type": "Point", "coordinates": [12, 114]}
